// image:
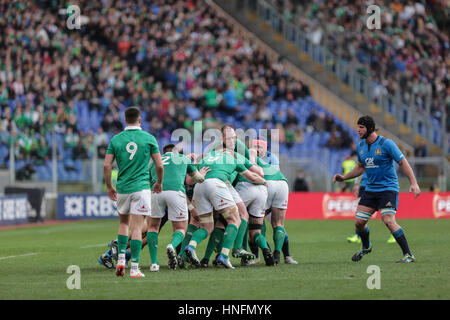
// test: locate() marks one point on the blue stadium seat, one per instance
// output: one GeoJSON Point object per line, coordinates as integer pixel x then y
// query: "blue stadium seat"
{"type": "Point", "coordinates": [41, 172]}
{"type": "Point", "coordinates": [62, 174]}
{"type": "Point", "coordinates": [3, 154]}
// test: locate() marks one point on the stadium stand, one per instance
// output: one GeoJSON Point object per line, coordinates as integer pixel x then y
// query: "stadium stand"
{"type": "Point", "coordinates": [179, 60]}
{"type": "Point", "coordinates": [408, 57]}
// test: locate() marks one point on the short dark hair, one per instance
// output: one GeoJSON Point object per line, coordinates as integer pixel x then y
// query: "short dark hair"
{"type": "Point", "coordinates": [168, 147]}
{"type": "Point", "coordinates": [132, 114]}
{"type": "Point", "coordinates": [226, 126]}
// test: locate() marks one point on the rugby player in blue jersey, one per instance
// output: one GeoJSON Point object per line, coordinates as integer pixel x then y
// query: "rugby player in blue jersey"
{"type": "Point", "coordinates": [358, 189]}
{"type": "Point", "coordinates": [376, 155]}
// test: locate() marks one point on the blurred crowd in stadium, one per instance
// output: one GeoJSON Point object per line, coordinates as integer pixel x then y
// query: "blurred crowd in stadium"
{"type": "Point", "coordinates": [181, 62]}
{"type": "Point", "coordinates": [409, 56]}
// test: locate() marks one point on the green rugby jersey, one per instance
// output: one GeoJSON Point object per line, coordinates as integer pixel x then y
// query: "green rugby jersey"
{"type": "Point", "coordinates": [270, 172]}
{"type": "Point", "coordinates": [240, 148]}
{"type": "Point", "coordinates": [222, 165]}
{"type": "Point", "coordinates": [175, 167]}
{"type": "Point", "coordinates": [132, 149]}
{"type": "Point", "coordinates": [246, 163]}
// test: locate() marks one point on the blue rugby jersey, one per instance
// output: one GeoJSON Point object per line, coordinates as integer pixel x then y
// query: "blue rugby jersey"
{"type": "Point", "coordinates": [378, 160]}
{"type": "Point", "coordinates": [363, 182]}
{"type": "Point", "coordinates": [272, 159]}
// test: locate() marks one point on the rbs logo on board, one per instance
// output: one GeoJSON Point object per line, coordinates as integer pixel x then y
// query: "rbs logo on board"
{"type": "Point", "coordinates": [441, 206]}
{"type": "Point", "coordinates": [80, 206]}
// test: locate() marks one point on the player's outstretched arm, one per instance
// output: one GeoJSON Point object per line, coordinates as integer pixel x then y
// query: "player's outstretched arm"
{"type": "Point", "coordinates": [198, 176]}
{"type": "Point", "coordinates": [107, 168]}
{"type": "Point", "coordinates": [408, 171]}
{"type": "Point", "coordinates": [257, 169]}
{"type": "Point", "coordinates": [157, 187]}
{"type": "Point", "coordinates": [356, 172]}
{"type": "Point", "coordinates": [253, 177]}
{"type": "Point", "coordinates": [253, 155]}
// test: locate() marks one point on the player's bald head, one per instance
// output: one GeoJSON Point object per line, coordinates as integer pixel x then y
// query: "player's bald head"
{"type": "Point", "coordinates": [229, 136]}
{"type": "Point", "coordinates": [227, 127]}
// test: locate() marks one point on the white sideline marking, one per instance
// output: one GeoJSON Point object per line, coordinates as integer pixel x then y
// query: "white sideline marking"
{"type": "Point", "coordinates": [20, 255]}
{"type": "Point", "coordinates": [94, 246]}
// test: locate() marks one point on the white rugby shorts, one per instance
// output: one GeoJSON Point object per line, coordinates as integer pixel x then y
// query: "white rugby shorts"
{"type": "Point", "coordinates": [254, 197]}
{"type": "Point", "coordinates": [236, 197]}
{"type": "Point", "coordinates": [278, 194]}
{"type": "Point", "coordinates": [174, 201]}
{"type": "Point", "coordinates": [212, 194]}
{"type": "Point", "coordinates": [138, 203]}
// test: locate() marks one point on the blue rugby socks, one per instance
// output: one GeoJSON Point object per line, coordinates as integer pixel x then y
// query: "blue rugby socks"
{"type": "Point", "coordinates": [364, 235]}
{"type": "Point", "coordinates": [401, 240]}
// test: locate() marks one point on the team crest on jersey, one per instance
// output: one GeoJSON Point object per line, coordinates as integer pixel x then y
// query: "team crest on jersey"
{"type": "Point", "coordinates": [378, 152]}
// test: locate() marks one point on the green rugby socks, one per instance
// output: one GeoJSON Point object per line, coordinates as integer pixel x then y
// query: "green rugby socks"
{"type": "Point", "coordinates": [135, 248]}
{"type": "Point", "coordinates": [240, 235]}
{"type": "Point", "coordinates": [177, 238]}
{"type": "Point", "coordinates": [278, 237]}
{"type": "Point", "coordinates": [190, 231]}
{"type": "Point", "coordinates": [261, 241]}
{"type": "Point", "coordinates": [214, 241]}
{"type": "Point", "coordinates": [198, 236]}
{"type": "Point", "coordinates": [228, 239]}
{"type": "Point", "coordinates": [122, 243]}
{"type": "Point", "coordinates": [152, 239]}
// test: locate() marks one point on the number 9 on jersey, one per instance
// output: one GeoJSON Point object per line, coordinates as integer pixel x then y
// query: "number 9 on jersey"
{"type": "Point", "coordinates": [131, 148]}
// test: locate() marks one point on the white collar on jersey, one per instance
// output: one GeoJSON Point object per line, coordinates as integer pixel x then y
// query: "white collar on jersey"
{"type": "Point", "coordinates": [133, 128]}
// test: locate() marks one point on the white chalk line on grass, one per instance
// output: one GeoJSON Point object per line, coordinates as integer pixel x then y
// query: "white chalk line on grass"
{"type": "Point", "coordinates": [20, 255]}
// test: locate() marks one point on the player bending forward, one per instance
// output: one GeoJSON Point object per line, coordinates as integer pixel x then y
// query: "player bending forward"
{"type": "Point", "coordinates": [132, 149]}
{"type": "Point", "coordinates": [278, 195]}
{"type": "Point", "coordinates": [255, 198]}
{"type": "Point", "coordinates": [213, 194]}
{"type": "Point", "coordinates": [173, 197]}
{"type": "Point", "coordinates": [376, 156]}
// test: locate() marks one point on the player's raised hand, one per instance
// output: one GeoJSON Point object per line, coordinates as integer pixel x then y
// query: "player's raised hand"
{"type": "Point", "coordinates": [157, 187]}
{"type": "Point", "coordinates": [338, 178]}
{"type": "Point", "coordinates": [112, 193]}
{"type": "Point", "coordinates": [192, 156]}
{"type": "Point", "coordinates": [203, 171]}
{"type": "Point", "coordinates": [415, 189]}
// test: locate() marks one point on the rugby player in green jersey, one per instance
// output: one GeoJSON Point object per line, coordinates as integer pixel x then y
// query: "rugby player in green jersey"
{"type": "Point", "coordinates": [132, 150]}
{"type": "Point", "coordinates": [277, 200]}
{"type": "Point", "coordinates": [216, 238]}
{"type": "Point", "coordinates": [255, 199]}
{"type": "Point", "coordinates": [213, 194]}
{"type": "Point", "coordinates": [260, 147]}
{"type": "Point", "coordinates": [230, 142]}
{"type": "Point", "coordinates": [173, 197]}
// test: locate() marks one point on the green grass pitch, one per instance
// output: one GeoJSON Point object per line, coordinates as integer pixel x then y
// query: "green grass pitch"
{"type": "Point", "coordinates": [34, 261]}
